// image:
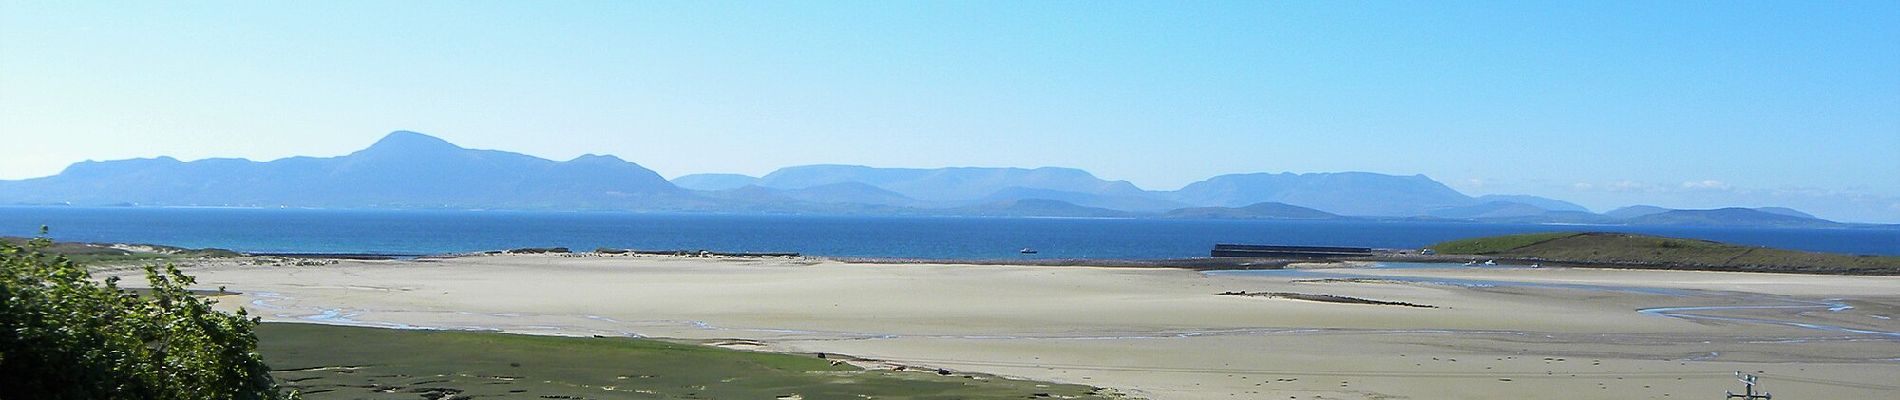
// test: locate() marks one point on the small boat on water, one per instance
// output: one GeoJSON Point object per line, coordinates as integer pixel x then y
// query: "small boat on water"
{"type": "Point", "coordinates": [1027, 250]}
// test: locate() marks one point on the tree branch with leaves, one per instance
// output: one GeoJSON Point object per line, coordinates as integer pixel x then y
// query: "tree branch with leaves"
{"type": "Point", "coordinates": [64, 335]}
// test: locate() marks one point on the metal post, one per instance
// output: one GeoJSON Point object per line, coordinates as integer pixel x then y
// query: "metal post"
{"type": "Point", "coordinates": [1748, 383]}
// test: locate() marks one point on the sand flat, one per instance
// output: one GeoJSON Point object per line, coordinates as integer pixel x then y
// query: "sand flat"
{"type": "Point", "coordinates": [1158, 333]}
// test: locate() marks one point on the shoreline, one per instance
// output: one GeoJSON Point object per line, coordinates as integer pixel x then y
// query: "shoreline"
{"type": "Point", "coordinates": [1190, 263]}
{"type": "Point", "coordinates": [135, 253]}
{"type": "Point", "coordinates": [1162, 333]}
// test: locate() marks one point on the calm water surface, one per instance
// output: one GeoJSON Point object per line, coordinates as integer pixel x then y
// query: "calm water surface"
{"type": "Point", "coordinates": [432, 232]}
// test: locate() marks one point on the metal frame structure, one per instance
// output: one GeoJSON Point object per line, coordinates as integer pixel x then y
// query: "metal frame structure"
{"type": "Point", "coordinates": [1748, 382]}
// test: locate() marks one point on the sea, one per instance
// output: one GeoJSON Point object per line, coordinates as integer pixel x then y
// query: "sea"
{"type": "Point", "coordinates": [424, 232]}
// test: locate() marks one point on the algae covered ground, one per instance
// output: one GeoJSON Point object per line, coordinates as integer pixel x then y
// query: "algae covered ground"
{"type": "Point", "coordinates": [1643, 251]}
{"type": "Point", "coordinates": [334, 362]}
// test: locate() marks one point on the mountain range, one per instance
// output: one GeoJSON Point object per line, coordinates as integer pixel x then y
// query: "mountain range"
{"type": "Point", "coordinates": [403, 170]}
{"type": "Point", "coordinates": [413, 170]}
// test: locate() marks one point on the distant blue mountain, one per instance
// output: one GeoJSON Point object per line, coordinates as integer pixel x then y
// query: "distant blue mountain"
{"type": "Point", "coordinates": [1490, 210]}
{"type": "Point", "coordinates": [1343, 193]}
{"type": "Point", "coordinates": [1785, 211]}
{"type": "Point", "coordinates": [1537, 201]}
{"type": "Point", "coordinates": [1733, 216]}
{"type": "Point", "coordinates": [404, 170]}
{"type": "Point", "coordinates": [1634, 211]}
{"type": "Point", "coordinates": [413, 170]}
{"type": "Point", "coordinates": [949, 185]}
{"type": "Point", "coordinates": [836, 193]}
{"type": "Point", "coordinates": [1142, 202]}
{"type": "Point", "coordinates": [715, 181]}
{"type": "Point", "coordinates": [1038, 208]}
{"type": "Point", "coordinates": [1256, 211]}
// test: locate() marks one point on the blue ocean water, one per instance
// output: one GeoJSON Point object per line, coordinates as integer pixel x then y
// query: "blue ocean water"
{"type": "Point", "coordinates": [435, 232]}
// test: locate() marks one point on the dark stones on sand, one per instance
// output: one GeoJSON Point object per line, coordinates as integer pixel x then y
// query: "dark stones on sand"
{"type": "Point", "coordinates": [539, 250]}
{"type": "Point", "coordinates": [1325, 298]}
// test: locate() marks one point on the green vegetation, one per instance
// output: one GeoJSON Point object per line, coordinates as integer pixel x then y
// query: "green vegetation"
{"type": "Point", "coordinates": [333, 362]}
{"type": "Point", "coordinates": [99, 254]}
{"type": "Point", "coordinates": [1497, 244]}
{"type": "Point", "coordinates": [67, 336]}
{"type": "Point", "coordinates": [1640, 251]}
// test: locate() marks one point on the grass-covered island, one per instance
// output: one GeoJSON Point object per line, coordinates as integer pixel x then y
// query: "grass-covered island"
{"type": "Point", "coordinates": [1655, 252]}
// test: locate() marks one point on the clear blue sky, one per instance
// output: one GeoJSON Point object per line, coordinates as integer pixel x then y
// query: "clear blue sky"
{"type": "Point", "coordinates": [1685, 104]}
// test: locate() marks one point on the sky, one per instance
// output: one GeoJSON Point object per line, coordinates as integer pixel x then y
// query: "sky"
{"type": "Point", "coordinates": [1679, 104]}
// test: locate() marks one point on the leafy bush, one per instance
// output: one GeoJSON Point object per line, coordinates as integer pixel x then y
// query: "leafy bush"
{"type": "Point", "coordinates": [64, 335]}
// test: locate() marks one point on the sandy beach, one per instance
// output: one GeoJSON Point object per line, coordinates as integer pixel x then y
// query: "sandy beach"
{"type": "Point", "coordinates": [1164, 333]}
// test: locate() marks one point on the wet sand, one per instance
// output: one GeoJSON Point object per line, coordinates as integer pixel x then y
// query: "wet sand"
{"type": "Point", "coordinates": [1164, 333]}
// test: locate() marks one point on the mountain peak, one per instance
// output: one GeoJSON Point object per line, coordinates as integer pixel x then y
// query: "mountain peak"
{"type": "Point", "coordinates": [406, 141]}
{"type": "Point", "coordinates": [590, 157]}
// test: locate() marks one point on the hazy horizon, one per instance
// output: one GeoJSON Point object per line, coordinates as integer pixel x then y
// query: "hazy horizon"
{"type": "Point", "coordinates": [1677, 105]}
{"type": "Point", "coordinates": [968, 199]}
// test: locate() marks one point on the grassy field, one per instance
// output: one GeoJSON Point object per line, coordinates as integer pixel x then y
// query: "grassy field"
{"type": "Point", "coordinates": [1497, 244]}
{"type": "Point", "coordinates": [1629, 250]}
{"type": "Point", "coordinates": [333, 362]}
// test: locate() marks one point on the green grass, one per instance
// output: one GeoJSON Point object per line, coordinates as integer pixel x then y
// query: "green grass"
{"type": "Point", "coordinates": [332, 362]}
{"type": "Point", "coordinates": [1642, 251]}
{"type": "Point", "coordinates": [1497, 244]}
{"type": "Point", "coordinates": [93, 254]}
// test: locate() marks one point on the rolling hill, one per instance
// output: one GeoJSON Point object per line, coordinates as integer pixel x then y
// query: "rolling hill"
{"type": "Point", "coordinates": [1268, 210]}
{"type": "Point", "coordinates": [1734, 216]}
{"type": "Point", "coordinates": [1343, 193]}
{"type": "Point", "coordinates": [949, 185]}
{"type": "Point", "coordinates": [1038, 208]}
{"type": "Point", "coordinates": [1653, 252]}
